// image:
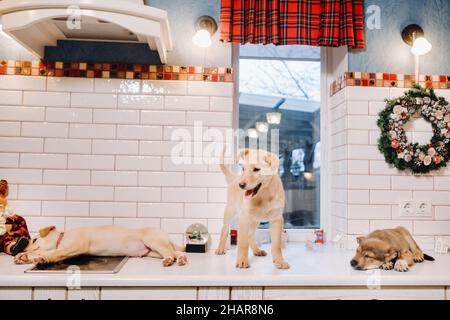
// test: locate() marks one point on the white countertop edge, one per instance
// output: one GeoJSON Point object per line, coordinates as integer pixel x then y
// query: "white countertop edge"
{"type": "Point", "coordinates": [279, 281]}
{"type": "Point", "coordinates": [325, 266]}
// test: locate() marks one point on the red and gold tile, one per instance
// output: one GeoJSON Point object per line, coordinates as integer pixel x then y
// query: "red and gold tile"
{"type": "Point", "coordinates": [396, 80]}
{"type": "Point", "coordinates": [118, 71]}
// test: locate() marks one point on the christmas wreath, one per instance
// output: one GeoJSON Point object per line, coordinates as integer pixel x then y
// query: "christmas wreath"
{"type": "Point", "coordinates": [393, 142]}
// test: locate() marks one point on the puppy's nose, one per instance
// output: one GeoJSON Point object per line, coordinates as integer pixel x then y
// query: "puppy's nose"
{"type": "Point", "coordinates": [353, 263]}
{"type": "Point", "coordinates": [242, 185]}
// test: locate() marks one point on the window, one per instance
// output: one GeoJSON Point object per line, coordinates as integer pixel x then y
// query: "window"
{"type": "Point", "coordinates": [285, 81]}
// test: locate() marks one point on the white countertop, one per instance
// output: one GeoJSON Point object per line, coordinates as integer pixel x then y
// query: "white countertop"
{"type": "Point", "coordinates": [325, 266]}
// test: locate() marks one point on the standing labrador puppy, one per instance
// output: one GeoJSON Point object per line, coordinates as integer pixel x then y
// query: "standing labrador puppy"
{"type": "Point", "coordinates": [259, 193]}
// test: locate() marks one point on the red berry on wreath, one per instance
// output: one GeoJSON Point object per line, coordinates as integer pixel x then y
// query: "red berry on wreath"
{"type": "Point", "coordinates": [437, 159]}
{"type": "Point", "coordinates": [394, 144]}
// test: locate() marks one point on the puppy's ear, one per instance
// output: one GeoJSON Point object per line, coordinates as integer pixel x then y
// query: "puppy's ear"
{"type": "Point", "coordinates": [243, 153]}
{"type": "Point", "coordinates": [45, 231]}
{"type": "Point", "coordinates": [360, 239]}
{"type": "Point", "coordinates": [272, 160]}
{"type": "Point", "coordinates": [4, 188]}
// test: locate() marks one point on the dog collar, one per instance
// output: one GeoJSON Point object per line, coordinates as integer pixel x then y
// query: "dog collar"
{"type": "Point", "coordinates": [60, 237]}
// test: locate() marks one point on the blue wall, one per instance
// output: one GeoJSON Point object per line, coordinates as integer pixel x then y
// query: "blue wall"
{"type": "Point", "coordinates": [385, 50]}
{"type": "Point", "coordinates": [182, 17]}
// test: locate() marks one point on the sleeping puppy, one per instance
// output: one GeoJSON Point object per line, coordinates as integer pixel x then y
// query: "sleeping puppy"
{"type": "Point", "coordinates": [259, 193]}
{"type": "Point", "coordinates": [388, 249]}
{"type": "Point", "coordinates": [53, 246]}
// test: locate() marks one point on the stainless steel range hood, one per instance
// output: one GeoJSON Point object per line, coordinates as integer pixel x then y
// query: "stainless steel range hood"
{"type": "Point", "coordinates": [36, 24]}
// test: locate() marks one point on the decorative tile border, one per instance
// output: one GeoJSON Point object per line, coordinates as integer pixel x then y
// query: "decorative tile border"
{"type": "Point", "coordinates": [368, 79]}
{"type": "Point", "coordinates": [114, 71]}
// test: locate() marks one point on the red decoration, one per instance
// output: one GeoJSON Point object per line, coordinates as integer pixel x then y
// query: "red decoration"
{"type": "Point", "coordinates": [330, 23]}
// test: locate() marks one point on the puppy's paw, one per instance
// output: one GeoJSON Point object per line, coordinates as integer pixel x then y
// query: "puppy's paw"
{"type": "Point", "coordinates": [22, 258]}
{"type": "Point", "coordinates": [281, 264]}
{"type": "Point", "coordinates": [182, 260]}
{"type": "Point", "coordinates": [387, 266]}
{"type": "Point", "coordinates": [242, 262]}
{"type": "Point", "coordinates": [401, 265]}
{"type": "Point", "coordinates": [39, 260]}
{"type": "Point", "coordinates": [259, 253]}
{"type": "Point", "coordinates": [220, 251]}
{"type": "Point", "coordinates": [168, 261]}
{"type": "Point", "coordinates": [418, 257]}
{"type": "Point", "coordinates": [29, 257]}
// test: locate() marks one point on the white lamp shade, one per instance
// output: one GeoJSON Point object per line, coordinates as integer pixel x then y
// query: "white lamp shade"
{"type": "Point", "coordinates": [421, 46]}
{"type": "Point", "coordinates": [273, 117]}
{"type": "Point", "coordinates": [262, 126]}
{"type": "Point", "coordinates": [202, 38]}
{"type": "Point", "coordinates": [252, 133]}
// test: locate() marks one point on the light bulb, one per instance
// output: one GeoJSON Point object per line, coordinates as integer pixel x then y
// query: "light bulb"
{"type": "Point", "coordinates": [421, 46]}
{"type": "Point", "coordinates": [252, 133]}
{"type": "Point", "coordinates": [202, 38]}
{"type": "Point", "coordinates": [262, 126]}
{"type": "Point", "coordinates": [273, 117]}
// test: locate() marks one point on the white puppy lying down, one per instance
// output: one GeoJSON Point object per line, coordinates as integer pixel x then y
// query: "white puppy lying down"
{"type": "Point", "coordinates": [53, 246]}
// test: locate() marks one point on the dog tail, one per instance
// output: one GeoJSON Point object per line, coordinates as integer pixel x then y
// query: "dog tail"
{"type": "Point", "coordinates": [225, 169]}
{"type": "Point", "coordinates": [4, 188]}
{"type": "Point", "coordinates": [427, 257]}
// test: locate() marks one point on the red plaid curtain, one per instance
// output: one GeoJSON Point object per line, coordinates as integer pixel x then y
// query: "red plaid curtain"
{"type": "Point", "coordinates": [328, 23]}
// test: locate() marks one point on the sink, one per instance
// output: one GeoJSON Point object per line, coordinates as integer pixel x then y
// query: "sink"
{"type": "Point", "coordinates": [82, 264]}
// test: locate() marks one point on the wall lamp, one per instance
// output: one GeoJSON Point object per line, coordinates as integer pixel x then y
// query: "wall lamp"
{"type": "Point", "coordinates": [205, 27]}
{"type": "Point", "coordinates": [414, 36]}
{"type": "Point", "coordinates": [252, 133]}
{"type": "Point", "coordinates": [273, 117]}
{"type": "Point", "coordinates": [262, 127]}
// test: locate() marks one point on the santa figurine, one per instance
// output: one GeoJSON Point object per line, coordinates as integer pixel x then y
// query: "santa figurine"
{"type": "Point", "coordinates": [14, 235]}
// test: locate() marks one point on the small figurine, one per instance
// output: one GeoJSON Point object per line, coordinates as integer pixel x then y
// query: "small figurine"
{"type": "Point", "coordinates": [196, 235]}
{"type": "Point", "coordinates": [197, 238]}
{"type": "Point", "coordinates": [319, 236]}
{"type": "Point", "coordinates": [14, 235]}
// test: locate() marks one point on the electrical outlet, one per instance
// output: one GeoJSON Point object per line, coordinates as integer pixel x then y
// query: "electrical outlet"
{"type": "Point", "coordinates": [423, 208]}
{"type": "Point", "coordinates": [415, 208]}
{"type": "Point", "coordinates": [407, 208]}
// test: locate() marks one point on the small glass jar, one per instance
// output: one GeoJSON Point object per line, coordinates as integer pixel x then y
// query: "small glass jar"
{"type": "Point", "coordinates": [233, 237]}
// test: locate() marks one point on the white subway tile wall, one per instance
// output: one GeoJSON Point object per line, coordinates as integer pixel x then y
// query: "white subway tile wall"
{"type": "Point", "coordinates": [365, 190]}
{"type": "Point", "coordinates": [85, 152]}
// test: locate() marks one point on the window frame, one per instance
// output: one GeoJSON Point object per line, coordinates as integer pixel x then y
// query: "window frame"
{"type": "Point", "coordinates": [299, 235]}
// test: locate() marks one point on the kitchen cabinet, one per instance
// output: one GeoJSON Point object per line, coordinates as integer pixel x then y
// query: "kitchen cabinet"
{"type": "Point", "coordinates": [246, 293]}
{"type": "Point", "coordinates": [18, 293]}
{"type": "Point", "coordinates": [346, 293]}
{"type": "Point", "coordinates": [228, 293]}
{"type": "Point", "coordinates": [213, 293]}
{"type": "Point", "coordinates": [149, 293]}
{"type": "Point", "coordinates": [49, 293]}
{"type": "Point", "coordinates": [84, 294]}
